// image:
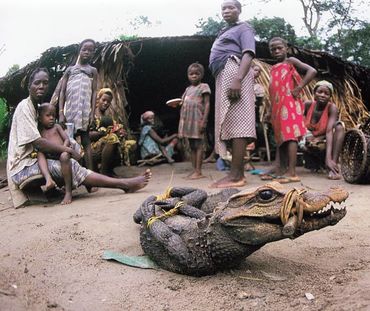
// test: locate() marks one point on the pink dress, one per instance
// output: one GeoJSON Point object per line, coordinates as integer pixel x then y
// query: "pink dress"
{"type": "Point", "coordinates": [287, 111]}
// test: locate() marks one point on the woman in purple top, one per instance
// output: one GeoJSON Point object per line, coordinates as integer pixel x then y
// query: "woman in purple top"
{"type": "Point", "coordinates": [230, 62]}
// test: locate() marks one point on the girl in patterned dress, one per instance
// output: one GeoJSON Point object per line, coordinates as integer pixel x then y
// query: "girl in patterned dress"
{"type": "Point", "coordinates": [286, 105]}
{"type": "Point", "coordinates": [194, 116]}
{"type": "Point", "coordinates": [78, 97]}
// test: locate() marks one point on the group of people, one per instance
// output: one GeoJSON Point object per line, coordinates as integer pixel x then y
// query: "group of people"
{"type": "Point", "coordinates": [102, 137]}
{"type": "Point", "coordinates": [231, 62]}
{"type": "Point", "coordinates": [37, 145]}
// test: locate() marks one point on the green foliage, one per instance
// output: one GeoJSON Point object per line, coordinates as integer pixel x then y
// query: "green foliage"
{"type": "Point", "coordinates": [352, 45]}
{"type": "Point", "coordinates": [127, 37]}
{"type": "Point", "coordinates": [312, 43]}
{"type": "Point", "coordinates": [4, 125]}
{"type": "Point", "coordinates": [12, 69]}
{"type": "Point", "coordinates": [211, 26]}
{"type": "Point", "coordinates": [267, 28]}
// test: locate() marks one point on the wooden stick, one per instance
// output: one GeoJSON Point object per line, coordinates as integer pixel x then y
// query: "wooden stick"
{"type": "Point", "coordinates": [291, 226]}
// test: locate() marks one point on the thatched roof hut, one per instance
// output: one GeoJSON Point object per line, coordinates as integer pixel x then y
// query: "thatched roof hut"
{"type": "Point", "coordinates": [145, 73]}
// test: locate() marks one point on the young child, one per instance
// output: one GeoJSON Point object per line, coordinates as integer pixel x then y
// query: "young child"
{"type": "Point", "coordinates": [194, 116]}
{"type": "Point", "coordinates": [54, 133]}
{"type": "Point", "coordinates": [78, 97]}
{"type": "Point", "coordinates": [286, 105]}
{"type": "Point", "coordinates": [151, 144]}
{"type": "Point", "coordinates": [322, 122]}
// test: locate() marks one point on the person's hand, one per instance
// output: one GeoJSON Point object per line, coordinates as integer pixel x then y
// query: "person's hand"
{"type": "Point", "coordinates": [121, 132]}
{"type": "Point", "coordinates": [62, 120]}
{"type": "Point", "coordinates": [234, 91]}
{"type": "Point", "coordinates": [332, 166]}
{"type": "Point", "coordinates": [74, 154]}
{"type": "Point", "coordinates": [296, 91]}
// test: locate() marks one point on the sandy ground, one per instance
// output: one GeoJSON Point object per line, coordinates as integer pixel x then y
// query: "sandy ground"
{"type": "Point", "coordinates": [50, 258]}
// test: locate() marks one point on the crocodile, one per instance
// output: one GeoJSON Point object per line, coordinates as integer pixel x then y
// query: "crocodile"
{"type": "Point", "coordinates": [190, 232]}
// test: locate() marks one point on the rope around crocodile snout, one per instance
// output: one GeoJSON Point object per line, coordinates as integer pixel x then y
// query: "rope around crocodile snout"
{"type": "Point", "coordinates": [293, 203]}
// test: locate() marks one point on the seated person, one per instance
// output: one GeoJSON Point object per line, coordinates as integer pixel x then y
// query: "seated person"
{"type": "Point", "coordinates": [24, 138]}
{"type": "Point", "coordinates": [109, 139]}
{"type": "Point", "coordinates": [325, 129]}
{"type": "Point", "coordinates": [55, 133]}
{"type": "Point", "coordinates": [151, 144]}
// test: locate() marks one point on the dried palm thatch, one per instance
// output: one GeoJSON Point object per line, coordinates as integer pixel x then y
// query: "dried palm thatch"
{"type": "Point", "coordinates": [346, 96]}
{"type": "Point", "coordinates": [112, 60]}
{"type": "Point", "coordinates": [160, 74]}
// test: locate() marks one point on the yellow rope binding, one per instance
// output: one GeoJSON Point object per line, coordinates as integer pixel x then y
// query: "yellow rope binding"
{"type": "Point", "coordinates": [292, 204]}
{"type": "Point", "coordinates": [167, 214]}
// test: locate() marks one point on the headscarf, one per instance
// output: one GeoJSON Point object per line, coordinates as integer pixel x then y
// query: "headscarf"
{"type": "Point", "coordinates": [324, 83]}
{"type": "Point", "coordinates": [103, 91]}
{"type": "Point", "coordinates": [145, 116]}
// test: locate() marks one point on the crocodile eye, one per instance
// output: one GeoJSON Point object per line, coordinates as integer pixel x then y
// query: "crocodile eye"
{"type": "Point", "coordinates": [266, 195]}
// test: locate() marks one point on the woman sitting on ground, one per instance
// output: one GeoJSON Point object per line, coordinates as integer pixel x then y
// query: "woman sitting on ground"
{"type": "Point", "coordinates": [151, 144]}
{"type": "Point", "coordinates": [325, 129]}
{"type": "Point", "coordinates": [108, 137]}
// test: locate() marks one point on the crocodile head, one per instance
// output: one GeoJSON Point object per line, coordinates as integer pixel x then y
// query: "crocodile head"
{"type": "Point", "coordinates": [271, 212]}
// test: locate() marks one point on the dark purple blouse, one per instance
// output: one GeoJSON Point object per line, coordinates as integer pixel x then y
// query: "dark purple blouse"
{"type": "Point", "coordinates": [232, 40]}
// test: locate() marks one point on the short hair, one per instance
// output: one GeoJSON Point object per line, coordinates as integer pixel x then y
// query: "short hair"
{"type": "Point", "coordinates": [237, 4]}
{"type": "Point", "coordinates": [44, 107]}
{"type": "Point", "coordinates": [283, 41]}
{"type": "Point", "coordinates": [86, 40]}
{"type": "Point", "coordinates": [197, 66]}
{"type": "Point", "coordinates": [35, 72]}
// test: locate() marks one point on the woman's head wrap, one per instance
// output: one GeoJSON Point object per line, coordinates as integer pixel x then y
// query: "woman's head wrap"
{"type": "Point", "coordinates": [103, 91]}
{"type": "Point", "coordinates": [324, 83]}
{"type": "Point", "coordinates": [145, 116]}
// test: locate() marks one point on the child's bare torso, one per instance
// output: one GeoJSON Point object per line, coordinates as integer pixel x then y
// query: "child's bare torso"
{"type": "Point", "coordinates": [52, 135]}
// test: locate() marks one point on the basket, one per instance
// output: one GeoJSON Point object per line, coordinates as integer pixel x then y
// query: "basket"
{"type": "Point", "coordinates": [355, 157]}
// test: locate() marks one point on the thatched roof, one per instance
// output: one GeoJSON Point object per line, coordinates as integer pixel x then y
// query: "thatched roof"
{"type": "Point", "coordinates": [146, 73]}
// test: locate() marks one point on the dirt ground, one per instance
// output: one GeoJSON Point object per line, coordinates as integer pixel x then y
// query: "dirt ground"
{"type": "Point", "coordinates": [50, 257]}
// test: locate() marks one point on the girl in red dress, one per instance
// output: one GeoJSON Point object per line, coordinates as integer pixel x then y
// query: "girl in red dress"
{"type": "Point", "coordinates": [286, 105]}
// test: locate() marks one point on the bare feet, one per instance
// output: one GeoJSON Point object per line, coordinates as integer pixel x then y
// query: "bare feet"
{"type": "Point", "coordinates": [170, 160]}
{"type": "Point", "coordinates": [229, 182]}
{"type": "Point", "coordinates": [50, 184]}
{"type": "Point", "coordinates": [196, 175]}
{"type": "Point", "coordinates": [334, 176]}
{"type": "Point", "coordinates": [134, 184]}
{"type": "Point", "coordinates": [210, 159]}
{"type": "Point", "coordinates": [91, 189]}
{"type": "Point", "coordinates": [67, 198]}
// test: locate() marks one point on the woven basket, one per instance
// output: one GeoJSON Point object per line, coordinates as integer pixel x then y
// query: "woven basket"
{"type": "Point", "coordinates": [355, 157]}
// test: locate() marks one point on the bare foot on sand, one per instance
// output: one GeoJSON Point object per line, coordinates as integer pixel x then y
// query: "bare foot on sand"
{"type": "Point", "coordinates": [334, 176]}
{"type": "Point", "coordinates": [50, 184]}
{"type": "Point", "coordinates": [67, 198]}
{"type": "Point", "coordinates": [91, 189]}
{"type": "Point", "coordinates": [196, 175]}
{"type": "Point", "coordinates": [229, 182]}
{"type": "Point", "coordinates": [134, 184]}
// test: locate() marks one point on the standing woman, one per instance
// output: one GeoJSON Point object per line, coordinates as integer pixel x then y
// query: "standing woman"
{"type": "Point", "coordinates": [230, 62]}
